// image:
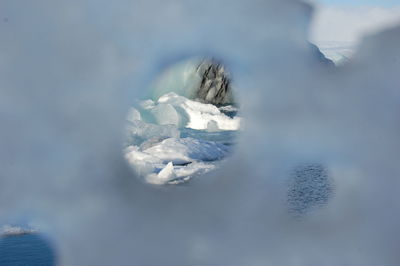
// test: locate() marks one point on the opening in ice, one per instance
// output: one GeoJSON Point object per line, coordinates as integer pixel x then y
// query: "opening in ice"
{"type": "Point", "coordinates": [186, 125]}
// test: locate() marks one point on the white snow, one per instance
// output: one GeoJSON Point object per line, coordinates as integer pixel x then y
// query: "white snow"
{"type": "Point", "coordinates": [155, 149]}
{"type": "Point", "coordinates": [192, 114]}
{"type": "Point", "coordinates": [338, 52]}
{"type": "Point", "coordinates": [186, 150]}
{"type": "Point", "coordinates": [167, 173]}
{"type": "Point", "coordinates": [174, 158]}
{"type": "Point", "coordinates": [138, 131]}
{"type": "Point", "coordinates": [166, 114]}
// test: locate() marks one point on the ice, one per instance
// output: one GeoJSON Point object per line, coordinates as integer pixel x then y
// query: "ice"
{"type": "Point", "coordinates": [143, 164]}
{"type": "Point", "coordinates": [165, 114]}
{"type": "Point", "coordinates": [195, 169]}
{"type": "Point", "coordinates": [154, 147]}
{"type": "Point", "coordinates": [167, 173]}
{"type": "Point", "coordinates": [197, 114]}
{"type": "Point", "coordinates": [228, 108]}
{"type": "Point", "coordinates": [133, 115]}
{"type": "Point", "coordinates": [138, 131]}
{"type": "Point", "coordinates": [174, 158]}
{"type": "Point", "coordinates": [339, 52]}
{"type": "Point", "coordinates": [186, 150]}
{"type": "Point", "coordinates": [212, 126]}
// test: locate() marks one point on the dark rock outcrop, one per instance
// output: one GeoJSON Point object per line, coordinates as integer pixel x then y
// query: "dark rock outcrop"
{"type": "Point", "coordinates": [215, 86]}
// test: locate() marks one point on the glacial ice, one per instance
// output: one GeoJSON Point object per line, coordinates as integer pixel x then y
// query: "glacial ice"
{"type": "Point", "coordinates": [133, 115]}
{"type": "Point", "coordinates": [179, 152]}
{"type": "Point", "coordinates": [196, 115]}
{"type": "Point", "coordinates": [166, 114]}
{"type": "Point", "coordinates": [187, 150]}
{"type": "Point", "coordinates": [139, 131]}
{"type": "Point", "coordinates": [158, 146]}
{"type": "Point", "coordinates": [167, 173]}
{"type": "Point", "coordinates": [172, 139]}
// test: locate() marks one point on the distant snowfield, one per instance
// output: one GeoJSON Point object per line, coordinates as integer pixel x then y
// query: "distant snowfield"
{"type": "Point", "coordinates": [337, 30]}
{"type": "Point", "coordinates": [7, 230]}
{"type": "Point", "coordinates": [338, 52]}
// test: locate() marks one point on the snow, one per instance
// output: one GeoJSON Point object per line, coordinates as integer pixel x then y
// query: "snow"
{"type": "Point", "coordinates": [188, 156]}
{"type": "Point", "coordinates": [166, 114]}
{"type": "Point", "coordinates": [339, 52]}
{"type": "Point", "coordinates": [154, 146]}
{"type": "Point", "coordinates": [138, 131]}
{"type": "Point", "coordinates": [186, 150]}
{"type": "Point", "coordinates": [133, 115]}
{"type": "Point", "coordinates": [193, 114]}
{"type": "Point", "coordinates": [167, 173]}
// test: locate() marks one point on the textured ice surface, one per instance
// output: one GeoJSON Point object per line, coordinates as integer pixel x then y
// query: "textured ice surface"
{"type": "Point", "coordinates": [163, 161]}
{"type": "Point", "coordinates": [183, 112]}
{"type": "Point", "coordinates": [339, 52]}
{"type": "Point", "coordinates": [181, 151]}
{"type": "Point", "coordinates": [156, 158]}
{"type": "Point", "coordinates": [138, 131]}
{"type": "Point", "coordinates": [167, 173]}
{"type": "Point", "coordinates": [155, 150]}
{"type": "Point", "coordinates": [69, 71]}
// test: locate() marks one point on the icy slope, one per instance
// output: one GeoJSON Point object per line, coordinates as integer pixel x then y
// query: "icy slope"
{"type": "Point", "coordinates": [156, 150]}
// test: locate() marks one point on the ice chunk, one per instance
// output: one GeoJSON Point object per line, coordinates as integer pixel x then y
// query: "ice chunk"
{"type": "Point", "coordinates": [191, 114]}
{"type": "Point", "coordinates": [147, 104]}
{"type": "Point", "coordinates": [194, 169]}
{"type": "Point", "coordinates": [133, 115]}
{"type": "Point", "coordinates": [143, 164]}
{"type": "Point", "coordinates": [187, 150]}
{"type": "Point", "coordinates": [167, 173]}
{"type": "Point", "coordinates": [139, 131]}
{"type": "Point", "coordinates": [165, 114]}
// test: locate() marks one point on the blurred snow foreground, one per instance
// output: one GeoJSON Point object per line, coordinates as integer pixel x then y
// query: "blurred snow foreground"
{"type": "Point", "coordinates": [69, 70]}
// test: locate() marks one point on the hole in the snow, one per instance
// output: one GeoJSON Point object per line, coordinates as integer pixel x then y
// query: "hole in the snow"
{"type": "Point", "coordinates": [186, 125]}
{"type": "Point", "coordinates": [310, 188]}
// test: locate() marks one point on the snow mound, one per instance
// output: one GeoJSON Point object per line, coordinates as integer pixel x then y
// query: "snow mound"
{"type": "Point", "coordinates": [187, 150]}
{"type": "Point", "coordinates": [174, 158]}
{"type": "Point", "coordinates": [138, 131]}
{"type": "Point", "coordinates": [180, 111]}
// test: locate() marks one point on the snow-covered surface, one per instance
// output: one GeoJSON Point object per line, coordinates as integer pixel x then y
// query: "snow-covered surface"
{"type": "Point", "coordinates": [178, 110]}
{"type": "Point", "coordinates": [156, 150]}
{"type": "Point", "coordinates": [339, 52]}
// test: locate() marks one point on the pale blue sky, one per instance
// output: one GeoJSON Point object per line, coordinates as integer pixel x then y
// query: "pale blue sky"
{"type": "Point", "coordinates": [383, 3]}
